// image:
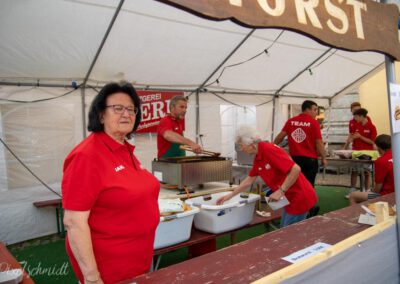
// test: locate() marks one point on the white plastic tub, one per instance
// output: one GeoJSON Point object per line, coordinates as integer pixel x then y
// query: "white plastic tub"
{"type": "Point", "coordinates": [233, 214]}
{"type": "Point", "coordinates": [174, 229]}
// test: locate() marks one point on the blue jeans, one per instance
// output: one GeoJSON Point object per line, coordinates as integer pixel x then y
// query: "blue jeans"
{"type": "Point", "coordinates": [288, 219]}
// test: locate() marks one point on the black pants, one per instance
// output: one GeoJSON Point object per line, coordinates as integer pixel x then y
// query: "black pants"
{"type": "Point", "coordinates": [309, 167]}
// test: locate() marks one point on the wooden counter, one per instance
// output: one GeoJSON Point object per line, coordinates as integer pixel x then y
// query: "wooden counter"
{"type": "Point", "coordinates": [255, 258]}
{"type": "Point", "coordinates": [8, 262]}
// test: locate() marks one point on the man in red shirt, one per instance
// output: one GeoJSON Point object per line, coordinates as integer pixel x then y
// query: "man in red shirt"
{"type": "Point", "coordinates": [384, 179]}
{"type": "Point", "coordinates": [170, 131]}
{"type": "Point", "coordinates": [363, 136]}
{"type": "Point", "coordinates": [353, 124]}
{"type": "Point", "coordinates": [305, 140]}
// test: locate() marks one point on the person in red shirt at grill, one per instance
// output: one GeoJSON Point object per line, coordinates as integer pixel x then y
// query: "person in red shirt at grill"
{"type": "Point", "coordinates": [170, 131]}
{"type": "Point", "coordinates": [384, 179]}
{"type": "Point", "coordinates": [279, 172]}
{"type": "Point", "coordinates": [363, 139]}
{"type": "Point", "coordinates": [110, 199]}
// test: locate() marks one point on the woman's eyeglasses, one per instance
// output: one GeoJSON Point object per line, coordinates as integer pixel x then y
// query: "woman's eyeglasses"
{"type": "Point", "coordinates": [119, 109]}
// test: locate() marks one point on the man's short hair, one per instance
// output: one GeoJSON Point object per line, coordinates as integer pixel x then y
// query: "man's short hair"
{"type": "Point", "coordinates": [384, 142]}
{"type": "Point", "coordinates": [355, 104]}
{"type": "Point", "coordinates": [361, 112]}
{"type": "Point", "coordinates": [176, 99]}
{"type": "Point", "coordinates": [307, 105]}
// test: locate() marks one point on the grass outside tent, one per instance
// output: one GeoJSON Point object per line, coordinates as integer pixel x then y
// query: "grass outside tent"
{"type": "Point", "coordinates": [46, 261]}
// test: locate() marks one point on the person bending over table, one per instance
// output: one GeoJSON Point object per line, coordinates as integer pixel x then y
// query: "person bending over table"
{"type": "Point", "coordinates": [110, 199]}
{"type": "Point", "coordinates": [279, 172]}
{"type": "Point", "coordinates": [384, 179]}
{"type": "Point", "coordinates": [363, 139]}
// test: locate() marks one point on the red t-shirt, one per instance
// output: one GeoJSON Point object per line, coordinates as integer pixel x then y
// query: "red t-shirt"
{"type": "Point", "coordinates": [100, 175]}
{"type": "Point", "coordinates": [353, 124]}
{"type": "Point", "coordinates": [384, 172]}
{"type": "Point", "coordinates": [303, 131]}
{"type": "Point", "coordinates": [272, 164]}
{"type": "Point", "coordinates": [168, 123]}
{"type": "Point", "coordinates": [369, 131]}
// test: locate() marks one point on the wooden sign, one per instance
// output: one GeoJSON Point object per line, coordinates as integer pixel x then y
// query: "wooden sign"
{"type": "Point", "coordinates": [356, 25]}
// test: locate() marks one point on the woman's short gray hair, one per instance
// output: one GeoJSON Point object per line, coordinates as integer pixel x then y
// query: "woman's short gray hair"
{"type": "Point", "coordinates": [247, 135]}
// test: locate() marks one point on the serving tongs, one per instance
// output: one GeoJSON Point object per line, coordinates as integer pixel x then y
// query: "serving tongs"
{"type": "Point", "coordinates": [204, 152]}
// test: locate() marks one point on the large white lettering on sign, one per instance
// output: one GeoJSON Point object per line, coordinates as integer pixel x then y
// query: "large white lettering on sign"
{"type": "Point", "coordinates": [306, 12]}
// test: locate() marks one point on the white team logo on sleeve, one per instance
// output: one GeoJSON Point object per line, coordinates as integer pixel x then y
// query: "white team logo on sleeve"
{"type": "Point", "coordinates": [299, 135]}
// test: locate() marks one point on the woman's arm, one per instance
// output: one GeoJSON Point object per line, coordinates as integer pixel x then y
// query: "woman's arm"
{"type": "Point", "coordinates": [378, 187]}
{"type": "Point", "coordinates": [246, 183]}
{"type": "Point", "coordinates": [76, 223]}
{"type": "Point", "coordinates": [290, 179]}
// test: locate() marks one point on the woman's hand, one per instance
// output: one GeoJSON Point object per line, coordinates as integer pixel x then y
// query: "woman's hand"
{"type": "Point", "coordinates": [95, 281]}
{"type": "Point", "coordinates": [276, 195]}
{"type": "Point", "coordinates": [224, 198]}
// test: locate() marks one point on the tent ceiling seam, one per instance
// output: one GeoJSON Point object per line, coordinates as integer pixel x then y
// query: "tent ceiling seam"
{"type": "Point", "coordinates": [301, 72]}
{"type": "Point", "coordinates": [227, 58]}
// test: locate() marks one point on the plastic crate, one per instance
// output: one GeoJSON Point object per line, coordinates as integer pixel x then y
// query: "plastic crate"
{"type": "Point", "coordinates": [174, 229]}
{"type": "Point", "coordinates": [233, 214]}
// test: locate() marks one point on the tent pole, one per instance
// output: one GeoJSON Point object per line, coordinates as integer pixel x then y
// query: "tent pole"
{"type": "Point", "coordinates": [391, 79]}
{"type": "Point", "coordinates": [197, 116]}
{"type": "Point", "coordinates": [93, 63]}
{"type": "Point", "coordinates": [273, 118]}
{"type": "Point", "coordinates": [83, 111]}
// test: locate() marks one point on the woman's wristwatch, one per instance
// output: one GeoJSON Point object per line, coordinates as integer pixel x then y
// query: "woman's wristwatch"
{"type": "Point", "coordinates": [281, 189]}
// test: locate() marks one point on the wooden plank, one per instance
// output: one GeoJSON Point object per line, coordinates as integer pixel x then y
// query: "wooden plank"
{"type": "Point", "coordinates": [197, 236]}
{"type": "Point", "coordinates": [45, 203]}
{"type": "Point", "coordinates": [297, 268]}
{"type": "Point", "coordinates": [251, 260]}
{"type": "Point", "coordinates": [208, 188]}
{"type": "Point", "coordinates": [351, 213]}
{"type": "Point", "coordinates": [8, 262]}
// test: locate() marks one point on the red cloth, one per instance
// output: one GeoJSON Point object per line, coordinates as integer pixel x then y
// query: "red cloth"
{"type": "Point", "coordinates": [368, 131]}
{"type": "Point", "coordinates": [353, 124]}
{"type": "Point", "coordinates": [168, 123]}
{"type": "Point", "coordinates": [303, 131]}
{"type": "Point", "coordinates": [384, 172]}
{"type": "Point", "coordinates": [272, 164]}
{"type": "Point", "coordinates": [99, 176]}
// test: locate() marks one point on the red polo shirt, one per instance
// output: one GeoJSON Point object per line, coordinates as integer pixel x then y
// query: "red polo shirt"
{"type": "Point", "coordinates": [384, 172]}
{"type": "Point", "coordinates": [272, 164]}
{"type": "Point", "coordinates": [168, 123]}
{"type": "Point", "coordinates": [102, 176]}
{"type": "Point", "coordinates": [353, 124]}
{"type": "Point", "coordinates": [369, 131]}
{"type": "Point", "coordinates": [303, 131]}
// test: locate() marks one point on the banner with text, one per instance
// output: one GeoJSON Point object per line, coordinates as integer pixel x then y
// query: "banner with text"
{"type": "Point", "coordinates": [357, 25]}
{"type": "Point", "coordinates": [154, 106]}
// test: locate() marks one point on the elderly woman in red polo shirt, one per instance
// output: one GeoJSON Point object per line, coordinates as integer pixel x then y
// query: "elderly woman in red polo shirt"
{"type": "Point", "coordinates": [279, 172]}
{"type": "Point", "coordinates": [110, 200]}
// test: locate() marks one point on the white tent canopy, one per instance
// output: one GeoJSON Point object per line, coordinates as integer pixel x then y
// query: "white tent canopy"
{"type": "Point", "coordinates": [48, 44]}
{"type": "Point", "coordinates": [153, 44]}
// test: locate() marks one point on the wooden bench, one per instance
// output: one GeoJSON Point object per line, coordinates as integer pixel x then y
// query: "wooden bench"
{"type": "Point", "coordinates": [57, 203]}
{"type": "Point", "coordinates": [198, 237]}
{"type": "Point", "coordinates": [8, 262]}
